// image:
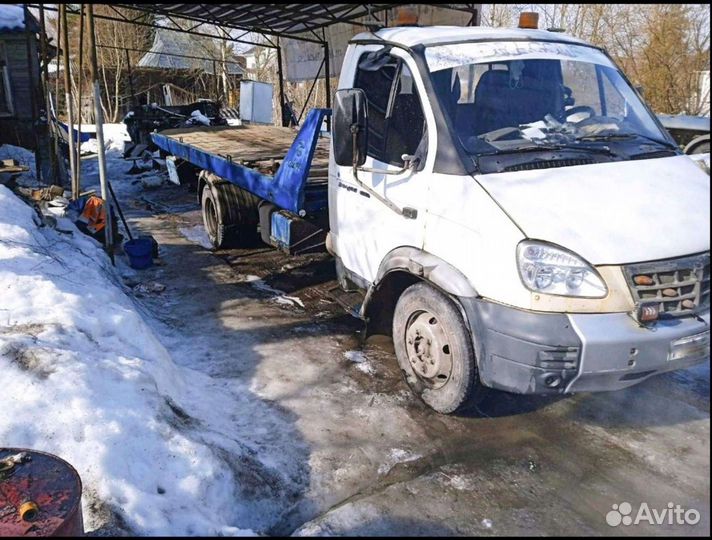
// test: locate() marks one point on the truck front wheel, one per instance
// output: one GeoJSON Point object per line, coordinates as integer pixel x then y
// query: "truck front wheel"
{"type": "Point", "coordinates": [434, 349]}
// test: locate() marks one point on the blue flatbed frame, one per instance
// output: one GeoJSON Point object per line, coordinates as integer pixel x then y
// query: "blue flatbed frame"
{"type": "Point", "coordinates": [288, 188]}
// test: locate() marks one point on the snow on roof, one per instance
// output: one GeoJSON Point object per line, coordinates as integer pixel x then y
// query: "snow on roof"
{"type": "Point", "coordinates": [167, 43]}
{"type": "Point", "coordinates": [433, 35]}
{"type": "Point", "coordinates": [12, 17]}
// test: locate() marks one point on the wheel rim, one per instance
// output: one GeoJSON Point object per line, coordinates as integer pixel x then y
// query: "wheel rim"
{"type": "Point", "coordinates": [428, 348]}
{"type": "Point", "coordinates": [211, 218]}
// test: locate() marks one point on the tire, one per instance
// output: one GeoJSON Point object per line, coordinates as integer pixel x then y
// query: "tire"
{"type": "Point", "coordinates": [434, 349]}
{"type": "Point", "coordinates": [702, 148]}
{"type": "Point", "coordinates": [698, 145]}
{"type": "Point", "coordinates": [229, 215]}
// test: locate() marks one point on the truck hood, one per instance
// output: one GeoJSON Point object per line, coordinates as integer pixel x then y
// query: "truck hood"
{"type": "Point", "coordinates": [611, 213]}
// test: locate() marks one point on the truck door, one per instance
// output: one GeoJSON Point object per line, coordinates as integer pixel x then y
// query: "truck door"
{"type": "Point", "coordinates": [365, 229]}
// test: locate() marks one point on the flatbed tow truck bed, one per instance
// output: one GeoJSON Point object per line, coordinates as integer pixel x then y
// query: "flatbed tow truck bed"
{"type": "Point", "coordinates": [268, 161]}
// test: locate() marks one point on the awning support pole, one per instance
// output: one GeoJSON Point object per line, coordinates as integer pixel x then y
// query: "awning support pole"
{"type": "Point", "coordinates": [280, 74]}
{"type": "Point", "coordinates": [311, 89]}
{"type": "Point", "coordinates": [327, 81]}
{"type": "Point", "coordinates": [79, 99]}
{"type": "Point", "coordinates": [98, 112]}
{"type": "Point", "coordinates": [131, 85]}
{"type": "Point", "coordinates": [68, 102]}
{"type": "Point", "coordinates": [44, 54]}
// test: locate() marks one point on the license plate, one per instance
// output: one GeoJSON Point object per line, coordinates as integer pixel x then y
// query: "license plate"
{"type": "Point", "coordinates": [690, 346]}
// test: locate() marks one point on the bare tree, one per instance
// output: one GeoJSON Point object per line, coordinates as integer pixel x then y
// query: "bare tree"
{"type": "Point", "coordinates": [662, 47]}
{"type": "Point", "coordinates": [118, 39]}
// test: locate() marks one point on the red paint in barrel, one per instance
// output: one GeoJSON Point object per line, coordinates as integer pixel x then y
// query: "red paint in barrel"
{"type": "Point", "coordinates": [40, 495]}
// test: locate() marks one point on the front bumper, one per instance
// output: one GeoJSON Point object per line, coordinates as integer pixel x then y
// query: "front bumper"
{"type": "Point", "coordinates": [617, 352]}
{"type": "Point", "coordinates": [529, 352]}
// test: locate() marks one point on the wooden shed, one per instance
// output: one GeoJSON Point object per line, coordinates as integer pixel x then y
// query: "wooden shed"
{"type": "Point", "coordinates": [20, 96]}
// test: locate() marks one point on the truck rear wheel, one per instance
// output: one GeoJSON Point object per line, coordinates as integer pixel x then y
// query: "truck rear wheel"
{"type": "Point", "coordinates": [229, 215]}
{"type": "Point", "coordinates": [434, 349]}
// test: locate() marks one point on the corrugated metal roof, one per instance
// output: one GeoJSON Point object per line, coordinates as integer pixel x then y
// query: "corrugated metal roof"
{"type": "Point", "coordinates": [171, 50]}
{"type": "Point", "coordinates": [276, 19]}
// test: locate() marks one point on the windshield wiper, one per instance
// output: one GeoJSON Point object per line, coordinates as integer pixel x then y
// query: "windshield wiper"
{"type": "Point", "coordinates": [625, 137]}
{"type": "Point", "coordinates": [552, 147]}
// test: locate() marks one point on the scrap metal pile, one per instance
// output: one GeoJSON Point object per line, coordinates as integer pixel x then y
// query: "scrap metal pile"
{"type": "Point", "coordinates": [144, 119]}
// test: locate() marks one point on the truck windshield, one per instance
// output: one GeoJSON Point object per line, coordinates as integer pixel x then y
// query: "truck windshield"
{"type": "Point", "coordinates": [509, 96]}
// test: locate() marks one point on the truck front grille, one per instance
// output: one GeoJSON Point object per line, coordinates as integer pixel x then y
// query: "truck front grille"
{"type": "Point", "coordinates": [679, 287]}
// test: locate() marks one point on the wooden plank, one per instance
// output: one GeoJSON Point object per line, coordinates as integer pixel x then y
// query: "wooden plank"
{"type": "Point", "coordinates": [245, 143]}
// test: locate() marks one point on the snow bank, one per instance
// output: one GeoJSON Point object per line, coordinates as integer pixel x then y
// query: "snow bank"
{"type": "Point", "coordinates": [82, 376]}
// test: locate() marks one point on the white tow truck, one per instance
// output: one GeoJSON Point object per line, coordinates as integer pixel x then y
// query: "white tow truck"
{"type": "Point", "coordinates": [503, 203]}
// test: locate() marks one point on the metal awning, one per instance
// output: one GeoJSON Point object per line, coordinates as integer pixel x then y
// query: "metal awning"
{"type": "Point", "coordinates": [296, 21]}
{"type": "Point", "coordinates": [285, 20]}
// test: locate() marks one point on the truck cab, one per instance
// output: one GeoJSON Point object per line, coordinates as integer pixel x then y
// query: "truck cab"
{"type": "Point", "coordinates": [514, 215]}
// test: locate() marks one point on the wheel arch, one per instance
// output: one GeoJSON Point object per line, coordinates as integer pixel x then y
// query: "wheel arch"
{"type": "Point", "coordinates": [694, 144]}
{"type": "Point", "coordinates": [401, 268]}
{"type": "Point", "coordinates": [205, 178]}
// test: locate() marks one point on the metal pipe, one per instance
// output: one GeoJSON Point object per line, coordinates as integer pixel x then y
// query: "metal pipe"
{"type": "Point", "coordinates": [109, 243]}
{"type": "Point", "coordinates": [61, 168]}
{"type": "Point", "coordinates": [118, 208]}
{"type": "Point", "coordinates": [79, 98]}
{"type": "Point", "coordinates": [131, 86]}
{"type": "Point", "coordinates": [181, 30]}
{"type": "Point", "coordinates": [44, 54]}
{"type": "Point", "coordinates": [68, 102]}
{"type": "Point", "coordinates": [306, 101]}
{"type": "Point", "coordinates": [327, 80]}
{"type": "Point", "coordinates": [34, 97]}
{"type": "Point", "coordinates": [282, 109]}
{"type": "Point", "coordinates": [132, 49]}
{"type": "Point", "coordinates": [217, 81]}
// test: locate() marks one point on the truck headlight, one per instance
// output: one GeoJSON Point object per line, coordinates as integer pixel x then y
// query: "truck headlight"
{"type": "Point", "coordinates": [549, 269]}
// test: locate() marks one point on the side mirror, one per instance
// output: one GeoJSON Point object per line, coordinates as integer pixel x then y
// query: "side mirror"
{"type": "Point", "coordinates": [640, 90]}
{"type": "Point", "coordinates": [350, 129]}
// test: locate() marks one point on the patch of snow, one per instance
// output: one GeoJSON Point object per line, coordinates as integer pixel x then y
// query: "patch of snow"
{"type": "Point", "coordinates": [352, 516]}
{"type": "Point", "coordinates": [289, 300]}
{"type": "Point", "coordinates": [90, 147]}
{"type": "Point", "coordinates": [459, 482]}
{"type": "Point", "coordinates": [84, 377]}
{"type": "Point", "coordinates": [487, 523]}
{"type": "Point", "coordinates": [115, 135]}
{"type": "Point", "coordinates": [395, 456]}
{"type": "Point", "coordinates": [278, 296]}
{"type": "Point", "coordinates": [361, 361]}
{"type": "Point", "coordinates": [199, 118]}
{"type": "Point", "coordinates": [197, 235]}
{"type": "Point", "coordinates": [12, 17]}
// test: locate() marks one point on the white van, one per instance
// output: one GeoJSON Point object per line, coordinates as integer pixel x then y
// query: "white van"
{"type": "Point", "coordinates": [516, 215]}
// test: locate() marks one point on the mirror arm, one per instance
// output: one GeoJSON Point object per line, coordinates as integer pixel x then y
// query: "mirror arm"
{"type": "Point", "coordinates": [409, 213]}
{"type": "Point", "coordinates": [408, 163]}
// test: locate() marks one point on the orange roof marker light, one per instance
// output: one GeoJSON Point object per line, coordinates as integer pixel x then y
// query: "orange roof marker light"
{"type": "Point", "coordinates": [407, 16]}
{"type": "Point", "coordinates": [529, 19]}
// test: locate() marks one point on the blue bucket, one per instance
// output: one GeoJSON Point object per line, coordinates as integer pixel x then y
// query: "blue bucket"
{"type": "Point", "coordinates": [139, 251]}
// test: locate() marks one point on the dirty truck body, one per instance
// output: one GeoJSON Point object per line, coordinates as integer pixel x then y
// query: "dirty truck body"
{"type": "Point", "coordinates": [501, 201]}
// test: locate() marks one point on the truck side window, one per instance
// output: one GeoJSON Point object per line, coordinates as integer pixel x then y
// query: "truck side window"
{"type": "Point", "coordinates": [578, 76]}
{"type": "Point", "coordinates": [396, 122]}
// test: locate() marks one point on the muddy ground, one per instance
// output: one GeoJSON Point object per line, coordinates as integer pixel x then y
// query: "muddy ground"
{"type": "Point", "coordinates": [371, 458]}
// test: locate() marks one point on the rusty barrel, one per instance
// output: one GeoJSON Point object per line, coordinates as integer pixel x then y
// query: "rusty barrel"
{"type": "Point", "coordinates": [40, 495]}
